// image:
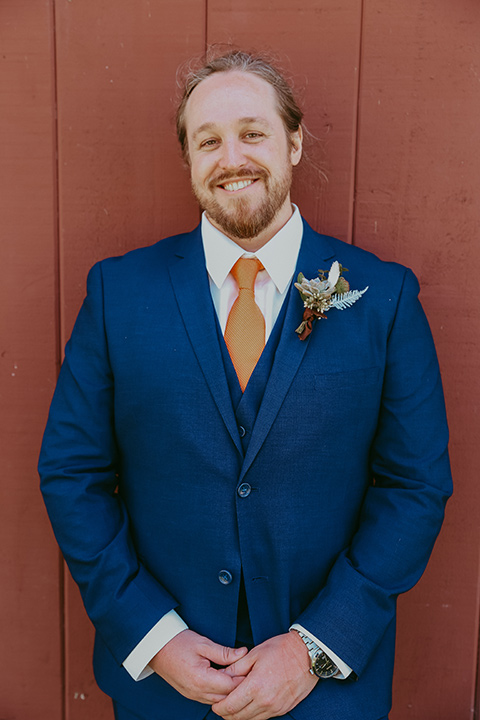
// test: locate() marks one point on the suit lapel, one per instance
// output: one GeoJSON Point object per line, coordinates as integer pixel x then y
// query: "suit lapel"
{"type": "Point", "coordinates": [290, 352]}
{"type": "Point", "coordinates": [190, 284]}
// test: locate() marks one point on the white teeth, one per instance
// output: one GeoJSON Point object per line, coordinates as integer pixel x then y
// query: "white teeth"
{"type": "Point", "coordinates": [231, 187]}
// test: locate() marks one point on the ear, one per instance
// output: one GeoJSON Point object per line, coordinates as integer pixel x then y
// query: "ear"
{"type": "Point", "coordinates": [296, 140]}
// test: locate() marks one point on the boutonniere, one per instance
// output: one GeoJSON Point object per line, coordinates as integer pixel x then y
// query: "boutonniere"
{"type": "Point", "coordinates": [323, 293]}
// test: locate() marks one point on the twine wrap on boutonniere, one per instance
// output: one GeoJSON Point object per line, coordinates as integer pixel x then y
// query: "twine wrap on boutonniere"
{"type": "Point", "coordinates": [323, 293]}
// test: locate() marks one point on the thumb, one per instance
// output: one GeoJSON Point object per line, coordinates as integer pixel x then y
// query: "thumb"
{"type": "Point", "coordinates": [222, 655]}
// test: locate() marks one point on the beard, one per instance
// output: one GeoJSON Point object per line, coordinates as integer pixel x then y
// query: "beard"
{"type": "Point", "coordinates": [240, 220]}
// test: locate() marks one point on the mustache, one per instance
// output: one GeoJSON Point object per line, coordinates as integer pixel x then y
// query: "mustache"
{"type": "Point", "coordinates": [243, 173]}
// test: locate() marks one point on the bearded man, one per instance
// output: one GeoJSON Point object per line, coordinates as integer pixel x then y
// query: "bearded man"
{"type": "Point", "coordinates": [240, 503]}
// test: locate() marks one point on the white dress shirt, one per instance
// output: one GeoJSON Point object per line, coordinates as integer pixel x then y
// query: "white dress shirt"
{"type": "Point", "coordinates": [279, 259]}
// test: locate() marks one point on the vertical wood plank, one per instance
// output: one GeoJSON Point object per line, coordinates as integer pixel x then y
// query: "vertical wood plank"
{"type": "Point", "coordinates": [121, 182]}
{"type": "Point", "coordinates": [322, 42]}
{"type": "Point", "coordinates": [31, 657]}
{"type": "Point", "coordinates": [417, 202]}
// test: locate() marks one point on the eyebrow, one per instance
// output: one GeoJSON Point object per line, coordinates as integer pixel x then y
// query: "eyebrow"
{"type": "Point", "coordinates": [211, 126]}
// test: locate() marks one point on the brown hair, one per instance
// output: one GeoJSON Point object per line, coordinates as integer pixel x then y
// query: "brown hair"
{"type": "Point", "coordinates": [244, 62]}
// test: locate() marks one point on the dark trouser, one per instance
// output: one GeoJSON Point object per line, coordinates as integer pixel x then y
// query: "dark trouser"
{"type": "Point", "coordinates": [122, 713]}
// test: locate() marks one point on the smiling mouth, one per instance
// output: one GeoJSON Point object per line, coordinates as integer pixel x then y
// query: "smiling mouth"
{"type": "Point", "coordinates": [237, 185]}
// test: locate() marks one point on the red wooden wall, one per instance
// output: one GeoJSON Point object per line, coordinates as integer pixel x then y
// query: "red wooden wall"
{"type": "Point", "coordinates": [89, 167]}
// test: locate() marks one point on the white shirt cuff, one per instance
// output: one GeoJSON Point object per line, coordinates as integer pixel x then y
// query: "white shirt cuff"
{"type": "Point", "coordinates": [344, 669]}
{"type": "Point", "coordinates": [136, 664]}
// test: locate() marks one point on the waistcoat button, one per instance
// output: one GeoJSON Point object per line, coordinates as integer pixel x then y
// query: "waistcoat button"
{"type": "Point", "coordinates": [242, 431]}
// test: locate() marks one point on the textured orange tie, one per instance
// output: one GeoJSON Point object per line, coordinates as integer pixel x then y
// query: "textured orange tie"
{"type": "Point", "coordinates": [245, 329]}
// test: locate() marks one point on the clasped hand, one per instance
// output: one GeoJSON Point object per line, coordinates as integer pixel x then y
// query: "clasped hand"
{"type": "Point", "coordinates": [264, 683]}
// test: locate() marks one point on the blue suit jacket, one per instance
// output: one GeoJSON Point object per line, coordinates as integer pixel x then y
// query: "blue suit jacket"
{"type": "Point", "coordinates": [347, 460]}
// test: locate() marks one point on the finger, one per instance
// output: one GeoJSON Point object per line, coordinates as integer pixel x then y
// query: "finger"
{"type": "Point", "coordinates": [242, 666]}
{"type": "Point", "coordinates": [212, 699]}
{"type": "Point", "coordinates": [237, 701]}
{"type": "Point", "coordinates": [222, 655]}
{"type": "Point", "coordinates": [237, 680]}
{"type": "Point", "coordinates": [227, 712]}
{"type": "Point", "coordinates": [251, 711]}
{"type": "Point", "coordinates": [216, 698]}
{"type": "Point", "coordinates": [231, 674]}
{"type": "Point", "coordinates": [216, 681]}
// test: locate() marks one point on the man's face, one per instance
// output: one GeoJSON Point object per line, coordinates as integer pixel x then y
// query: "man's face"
{"type": "Point", "coordinates": [240, 156]}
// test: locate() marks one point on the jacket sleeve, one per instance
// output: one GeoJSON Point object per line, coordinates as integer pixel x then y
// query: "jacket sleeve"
{"type": "Point", "coordinates": [403, 507]}
{"type": "Point", "coordinates": [79, 464]}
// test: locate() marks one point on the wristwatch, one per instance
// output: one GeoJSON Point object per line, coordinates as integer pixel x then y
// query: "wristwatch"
{"type": "Point", "coordinates": [322, 666]}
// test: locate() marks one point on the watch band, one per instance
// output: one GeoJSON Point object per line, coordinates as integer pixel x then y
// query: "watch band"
{"type": "Point", "coordinates": [322, 666]}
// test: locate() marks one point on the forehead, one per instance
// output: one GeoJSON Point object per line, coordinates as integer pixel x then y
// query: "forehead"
{"type": "Point", "coordinates": [227, 97]}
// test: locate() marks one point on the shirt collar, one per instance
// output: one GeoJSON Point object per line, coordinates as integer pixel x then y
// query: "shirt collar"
{"type": "Point", "coordinates": [278, 256]}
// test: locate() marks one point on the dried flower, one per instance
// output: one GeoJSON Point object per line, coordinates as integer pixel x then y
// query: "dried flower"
{"type": "Point", "coordinates": [323, 293]}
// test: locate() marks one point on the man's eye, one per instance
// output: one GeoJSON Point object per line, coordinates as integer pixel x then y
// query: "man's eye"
{"type": "Point", "coordinates": [253, 136]}
{"type": "Point", "coordinates": [208, 143]}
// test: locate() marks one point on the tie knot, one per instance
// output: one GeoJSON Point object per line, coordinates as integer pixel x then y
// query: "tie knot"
{"type": "Point", "coordinates": [245, 271]}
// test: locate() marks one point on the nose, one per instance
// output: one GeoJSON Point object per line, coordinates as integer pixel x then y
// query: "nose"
{"type": "Point", "coordinates": [232, 155]}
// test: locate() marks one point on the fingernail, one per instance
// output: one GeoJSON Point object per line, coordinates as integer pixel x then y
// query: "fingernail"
{"type": "Point", "coordinates": [239, 651]}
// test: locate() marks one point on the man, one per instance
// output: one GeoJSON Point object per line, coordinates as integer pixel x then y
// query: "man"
{"type": "Point", "coordinates": [240, 504]}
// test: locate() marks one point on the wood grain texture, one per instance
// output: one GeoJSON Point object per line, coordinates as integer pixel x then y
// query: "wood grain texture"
{"type": "Point", "coordinates": [318, 44]}
{"type": "Point", "coordinates": [418, 175]}
{"type": "Point", "coordinates": [30, 614]}
{"type": "Point", "coordinates": [122, 183]}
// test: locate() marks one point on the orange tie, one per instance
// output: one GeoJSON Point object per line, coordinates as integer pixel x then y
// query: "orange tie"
{"type": "Point", "coordinates": [245, 329]}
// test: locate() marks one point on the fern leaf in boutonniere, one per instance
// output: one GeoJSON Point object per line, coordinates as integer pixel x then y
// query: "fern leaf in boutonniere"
{"type": "Point", "coordinates": [323, 293]}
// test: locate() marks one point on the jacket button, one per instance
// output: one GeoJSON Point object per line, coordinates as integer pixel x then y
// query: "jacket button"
{"type": "Point", "coordinates": [225, 577]}
{"type": "Point", "coordinates": [242, 431]}
{"type": "Point", "coordinates": [244, 490]}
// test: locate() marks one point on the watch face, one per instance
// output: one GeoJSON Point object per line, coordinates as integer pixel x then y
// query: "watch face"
{"type": "Point", "coordinates": [323, 667]}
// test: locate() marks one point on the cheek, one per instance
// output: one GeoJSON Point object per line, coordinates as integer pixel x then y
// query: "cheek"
{"type": "Point", "coordinates": [201, 170]}
{"type": "Point", "coordinates": [273, 159]}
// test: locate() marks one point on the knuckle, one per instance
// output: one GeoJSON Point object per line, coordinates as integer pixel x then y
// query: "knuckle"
{"type": "Point", "coordinates": [269, 700]}
{"type": "Point", "coordinates": [229, 708]}
{"type": "Point", "coordinates": [263, 703]}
